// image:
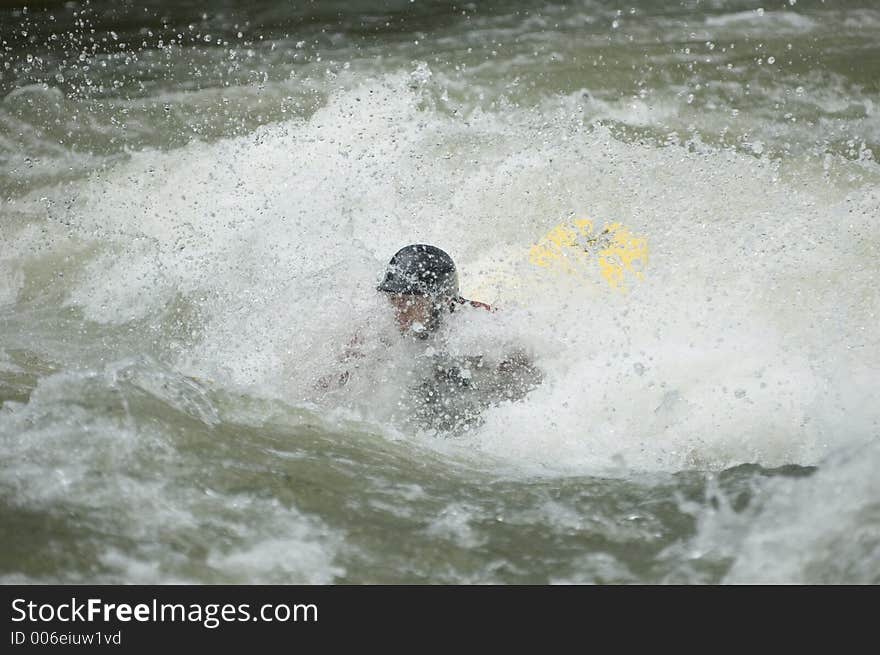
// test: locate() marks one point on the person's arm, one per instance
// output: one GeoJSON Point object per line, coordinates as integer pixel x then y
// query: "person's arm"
{"type": "Point", "coordinates": [351, 354]}
{"type": "Point", "coordinates": [516, 375]}
{"type": "Point", "coordinates": [517, 360]}
{"type": "Point", "coordinates": [516, 367]}
{"type": "Point", "coordinates": [332, 381]}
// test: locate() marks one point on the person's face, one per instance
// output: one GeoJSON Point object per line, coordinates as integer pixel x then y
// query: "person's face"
{"type": "Point", "coordinates": [413, 313]}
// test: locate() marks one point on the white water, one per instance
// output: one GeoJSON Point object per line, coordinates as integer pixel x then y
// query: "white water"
{"type": "Point", "coordinates": [753, 337]}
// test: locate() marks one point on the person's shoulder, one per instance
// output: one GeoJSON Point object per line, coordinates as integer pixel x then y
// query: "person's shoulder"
{"type": "Point", "coordinates": [476, 304]}
{"type": "Point", "coordinates": [481, 305]}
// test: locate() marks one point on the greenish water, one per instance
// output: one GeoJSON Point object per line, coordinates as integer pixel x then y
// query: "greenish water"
{"type": "Point", "coordinates": [196, 203]}
{"type": "Point", "coordinates": [222, 476]}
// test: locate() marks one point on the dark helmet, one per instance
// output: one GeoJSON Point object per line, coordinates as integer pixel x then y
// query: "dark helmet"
{"type": "Point", "coordinates": [421, 270]}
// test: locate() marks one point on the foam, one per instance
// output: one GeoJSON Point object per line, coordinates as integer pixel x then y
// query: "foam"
{"type": "Point", "coordinates": [11, 282]}
{"type": "Point", "coordinates": [130, 481]}
{"type": "Point", "coordinates": [775, 21]}
{"type": "Point", "coordinates": [738, 347]}
{"type": "Point", "coordinates": [820, 529]}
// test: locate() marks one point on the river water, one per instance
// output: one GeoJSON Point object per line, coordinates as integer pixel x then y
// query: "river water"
{"type": "Point", "coordinates": [196, 204]}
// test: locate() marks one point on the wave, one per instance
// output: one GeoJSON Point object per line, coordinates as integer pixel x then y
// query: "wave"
{"type": "Point", "coordinates": [746, 342]}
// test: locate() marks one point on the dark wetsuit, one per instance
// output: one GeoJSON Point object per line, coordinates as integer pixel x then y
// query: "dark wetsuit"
{"type": "Point", "coordinates": [453, 391]}
{"type": "Point", "coordinates": [452, 399]}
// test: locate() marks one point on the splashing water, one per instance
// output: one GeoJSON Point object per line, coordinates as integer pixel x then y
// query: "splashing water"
{"type": "Point", "coordinates": [169, 298]}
